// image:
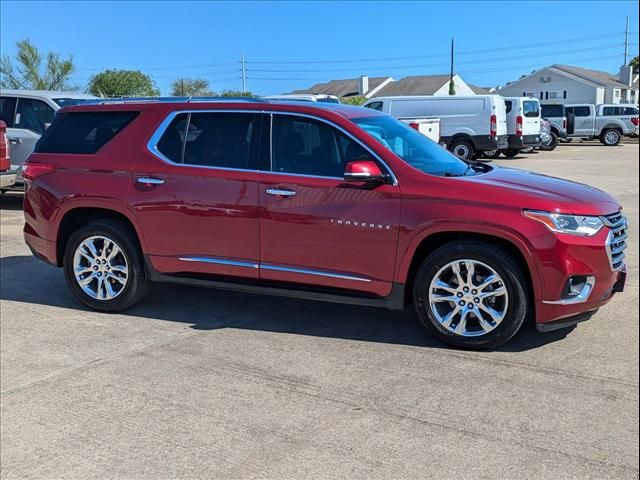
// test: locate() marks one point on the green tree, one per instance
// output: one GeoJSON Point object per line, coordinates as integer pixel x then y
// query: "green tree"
{"type": "Point", "coordinates": [190, 87]}
{"type": "Point", "coordinates": [237, 93]}
{"type": "Point", "coordinates": [36, 70]}
{"type": "Point", "coordinates": [355, 100]}
{"type": "Point", "coordinates": [634, 64]}
{"type": "Point", "coordinates": [122, 83]}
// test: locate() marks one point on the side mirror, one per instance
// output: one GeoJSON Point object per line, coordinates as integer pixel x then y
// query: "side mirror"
{"type": "Point", "coordinates": [363, 171]}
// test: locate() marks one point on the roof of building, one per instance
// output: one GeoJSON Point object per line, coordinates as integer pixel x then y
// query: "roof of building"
{"type": "Point", "coordinates": [594, 76]}
{"type": "Point", "coordinates": [342, 88]}
{"type": "Point", "coordinates": [416, 85]}
{"type": "Point", "coordinates": [479, 90]}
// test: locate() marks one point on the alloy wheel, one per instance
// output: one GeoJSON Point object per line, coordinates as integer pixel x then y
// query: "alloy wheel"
{"type": "Point", "coordinates": [100, 267]}
{"type": "Point", "coordinates": [468, 298]}
{"type": "Point", "coordinates": [611, 137]}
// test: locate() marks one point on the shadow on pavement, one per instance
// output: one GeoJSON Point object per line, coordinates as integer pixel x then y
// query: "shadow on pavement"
{"type": "Point", "coordinates": [11, 201]}
{"type": "Point", "coordinates": [208, 309]}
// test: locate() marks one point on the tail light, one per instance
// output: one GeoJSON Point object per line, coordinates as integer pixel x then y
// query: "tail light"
{"type": "Point", "coordinates": [33, 170]}
{"type": "Point", "coordinates": [493, 126]}
{"type": "Point", "coordinates": [5, 163]}
{"type": "Point", "coordinates": [519, 122]}
{"type": "Point", "coordinates": [415, 125]}
{"type": "Point", "coordinates": [635, 121]}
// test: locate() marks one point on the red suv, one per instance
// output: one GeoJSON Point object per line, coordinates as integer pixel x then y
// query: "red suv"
{"type": "Point", "coordinates": [325, 202]}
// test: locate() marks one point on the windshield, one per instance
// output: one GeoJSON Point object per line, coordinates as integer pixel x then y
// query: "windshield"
{"type": "Point", "coordinates": [65, 102]}
{"type": "Point", "coordinates": [413, 147]}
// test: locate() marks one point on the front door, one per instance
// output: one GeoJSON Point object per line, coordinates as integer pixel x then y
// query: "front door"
{"type": "Point", "coordinates": [195, 195]}
{"type": "Point", "coordinates": [316, 229]}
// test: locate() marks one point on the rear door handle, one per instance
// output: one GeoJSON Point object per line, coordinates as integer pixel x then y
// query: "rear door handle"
{"type": "Point", "coordinates": [150, 181]}
{"type": "Point", "coordinates": [280, 193]}
{"type": "Point", "coordinates": [15, 140]}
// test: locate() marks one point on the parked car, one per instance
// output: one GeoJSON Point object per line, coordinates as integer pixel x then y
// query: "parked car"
{"type": "Point", "coordinates": [429, 127]}
{"type": "Point", "coordinates": [547, 140]}
{"type": "Point", "coordinates": [608, 123]}
{"type": "Point", "coordinates": [523, 126]}
{"type": "Point", "coordinates": [317, 201]}
{"type": "Point", "coordinates": [27, 114]}
{"type": "Point", "coordinates": [305, 97]}
{"type": "Point", "coordinates": [562, 124]}
{"type": "Point", "coordinates": [468, 125]}
{"type": "Point", "coordinates": [7, 177]}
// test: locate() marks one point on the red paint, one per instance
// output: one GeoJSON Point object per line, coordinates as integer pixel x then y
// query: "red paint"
{"type": "Point", "coordinates": [354, 229]}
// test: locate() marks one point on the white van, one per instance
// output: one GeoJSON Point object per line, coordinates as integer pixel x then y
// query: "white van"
{"type": "Point", "coordinates": [523, 125]}
{"type": "Point", "coordinates": [305, 97]}
{"type": "Point", "coordinates": [469, 125]}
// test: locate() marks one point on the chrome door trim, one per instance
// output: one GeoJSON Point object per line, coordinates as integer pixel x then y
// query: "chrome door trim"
{"type": "Point", "coordinates": [276, 268]}
{"type": "Point", "coordinates": [219, 261]}
{"type": "Point", "coordinates": [152, 144]}
{"type": "Point", "coordinates": [318, 273]}
{"type": "Point", "coordinates": [280, 193]}
{"type": "Point", "coordinates": [150, 180]}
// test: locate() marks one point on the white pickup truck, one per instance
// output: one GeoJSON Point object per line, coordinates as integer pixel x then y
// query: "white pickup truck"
{"type": "Point", "coordinates": [608, 123]}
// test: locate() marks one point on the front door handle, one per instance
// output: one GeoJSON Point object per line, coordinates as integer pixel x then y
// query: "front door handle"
{"type": "Point", "coordinates": [149, 181]}
{"type": "Point", "coordinates": [280, 193]}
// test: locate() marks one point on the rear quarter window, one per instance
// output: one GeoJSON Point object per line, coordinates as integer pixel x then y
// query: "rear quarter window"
{"type": "Point", "coordinates": [83, 132]}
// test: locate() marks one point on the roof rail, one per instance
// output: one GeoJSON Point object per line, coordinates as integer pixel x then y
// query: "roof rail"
{"type": "Point", "coordinates": [104, 101]}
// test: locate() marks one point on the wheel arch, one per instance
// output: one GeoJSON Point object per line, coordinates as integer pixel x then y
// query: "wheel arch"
{"type": "Point", "coordinates": [612, 126]}
{"type": "Point", "coordinates": [77, 216]}
{"type": "Point", "coordinates": [432, 241]}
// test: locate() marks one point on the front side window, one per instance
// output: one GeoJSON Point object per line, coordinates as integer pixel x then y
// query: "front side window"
{"type": "Point", "coordinates": [531, 109]}
{"type": "Point", "coordinates": [7, 110]}
{"type": "Point", "coordinates": [33, 115]}
{"type": "Point", "coordinates": [305, 146]}
{"type": "Point", "coordinates": [412, 147]}
{"type": "Point", "coordinates": [211, 139]}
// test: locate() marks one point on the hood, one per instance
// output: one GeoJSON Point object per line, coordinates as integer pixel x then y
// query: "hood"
{"type": "Point", "coordinates": [541, 192]}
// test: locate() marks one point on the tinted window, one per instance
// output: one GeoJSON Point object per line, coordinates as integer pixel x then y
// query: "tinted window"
{"type": "Point", "coordinates": [509, 105]}
{"type": "Point", "coordinates": [310, 147]}
{"type": "Point", "coordinates": [630, 111]}
{"type": "Point", "coordinates": [65, 102]}
{"type": "Point", "coordinates": [582, 111]}
{"type": "Point", "coordinates": [33, 115]}
{"type": "Point", "coordinates": [83, 132]}
{"type": "Point", "coordinates": [375, 105]}
{"type": "Point", "coordinates": [221, 140]}
{"type": "Point", "coordinates": [7, 110]}
{"type": "Point", "coordinates": [531, 109]}
{"type": "Point", "coordinates": [610, 111]}
{"type": "Point", "coordinates": [551, 111]}
{"type": "Point", "coordinates": [172, 140]}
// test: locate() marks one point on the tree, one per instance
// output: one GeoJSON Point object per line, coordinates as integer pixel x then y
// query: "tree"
{"type": "Point", "coordinates": [634, 64]}
{"type": "Point", "coordinates": [355, 100]}
{"type": "Point", "coordinates": [122, 83]}
{"type": "Point", "coordinates": [237, 93]}
{"type": "Point", "coordinates": [36, 70]}
{"type": "Point", "coordinates": [190, 87]}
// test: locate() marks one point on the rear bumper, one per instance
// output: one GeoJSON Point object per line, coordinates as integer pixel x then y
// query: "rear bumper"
{"type": "Point", "coordinates": [523, 141]}
{"type": "Point", "coordinates": [485, 142]}
{"type": "Point", "coordinates": [40, 247]}
{"type": "Point", "coordinates": [7, 179]}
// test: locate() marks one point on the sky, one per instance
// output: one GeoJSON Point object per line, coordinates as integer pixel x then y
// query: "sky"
{"type": "Point", "coordinates": [293, 45]}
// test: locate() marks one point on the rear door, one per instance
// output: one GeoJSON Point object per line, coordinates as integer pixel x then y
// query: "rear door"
{"type": "Point", "coordinates": [530, 117]}
{"type": "Point", "coordinates": [500, 111]}
{"type": "Point", "coordinates": [195, 194]}
{"type": "Point", "coordinates": [584, 120]}
{"type": "Point", "coordinates": [316, 229]}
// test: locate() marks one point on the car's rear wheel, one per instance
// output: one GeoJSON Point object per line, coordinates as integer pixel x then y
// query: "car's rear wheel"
{"type": "Point", "coordinates": [551, 144]}
{"type": "Point", "coordinates": [463, 149]}
{"type": "Point", "coordinates": [492, 154]}
{"type": "Point", "coordinates": [471, 294]}
{"type": "Point", "coordinates": [610, 137]}
{"type": "Point", "coordinates": [104, 267]}
{"type": "Point", "coordinates": [511, 152]}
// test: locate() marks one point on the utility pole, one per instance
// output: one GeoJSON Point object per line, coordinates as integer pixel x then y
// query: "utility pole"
{"type": "Point", "coordinates": [626, 42]}
{"type": "Point", "coordinates": [452, 85]}
{"type": "Point", "coordinates": [244, 74]}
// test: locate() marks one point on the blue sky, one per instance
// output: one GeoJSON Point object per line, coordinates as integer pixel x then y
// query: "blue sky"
{"type": "Point", "coordinates": [291, 45]}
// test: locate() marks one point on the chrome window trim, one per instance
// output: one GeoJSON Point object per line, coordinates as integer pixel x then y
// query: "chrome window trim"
{"type": "Point", "coordinates": [152, 144]}
{"type": "Point", "coordinates": [276, 268]}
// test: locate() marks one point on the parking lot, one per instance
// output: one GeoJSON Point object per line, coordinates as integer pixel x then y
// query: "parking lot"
{"type": "Point", "coordinates": [210, 384]}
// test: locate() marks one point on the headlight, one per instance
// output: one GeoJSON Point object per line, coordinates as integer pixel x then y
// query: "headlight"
{"type": "Point", "coordinates": [572, 224]}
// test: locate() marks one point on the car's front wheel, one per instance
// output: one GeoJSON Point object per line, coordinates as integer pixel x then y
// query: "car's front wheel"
{"type": "Point", "coordinates": [471, 294]}
{"type": "Point", "coordinates": [104, 267]}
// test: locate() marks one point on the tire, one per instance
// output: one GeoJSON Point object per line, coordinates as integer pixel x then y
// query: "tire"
{"type": "Point", "coordinates": [463, 149]}
{"type": "Point", "coordinates": [610, 137]}
{"type": "Point", "coordinates": [486, 258]}
{"type": "Point", "coordinates": [511, 152]}
{"type": "Point", "coordinates": [552, 144]}
{"type": "Point", "coordinates": [492, 154]}
{"type": "Point", "coordinates": [123, 277]}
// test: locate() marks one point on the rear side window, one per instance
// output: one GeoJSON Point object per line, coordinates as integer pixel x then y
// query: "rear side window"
{"type": "Point", "coordinates": [33, 115]}
{"type": "Point", "coordinates": [611, 111]}
{"type": "Point", "coordinates": [582, 111]}
{"type": "Point", "coordinates": [531, 109]}
{"type": "Point", "coordinates": [630, 111]}
{"type": "Point", "coordinates": [83, 132]}
{"type": "Point", "coordinates": [7, 110]}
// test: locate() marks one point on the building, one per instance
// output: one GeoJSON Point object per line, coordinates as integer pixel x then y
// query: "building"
{"type": "Point", "coordinates": [386, 86]}
{"type": "Point", "coordinates": [569, 84]}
